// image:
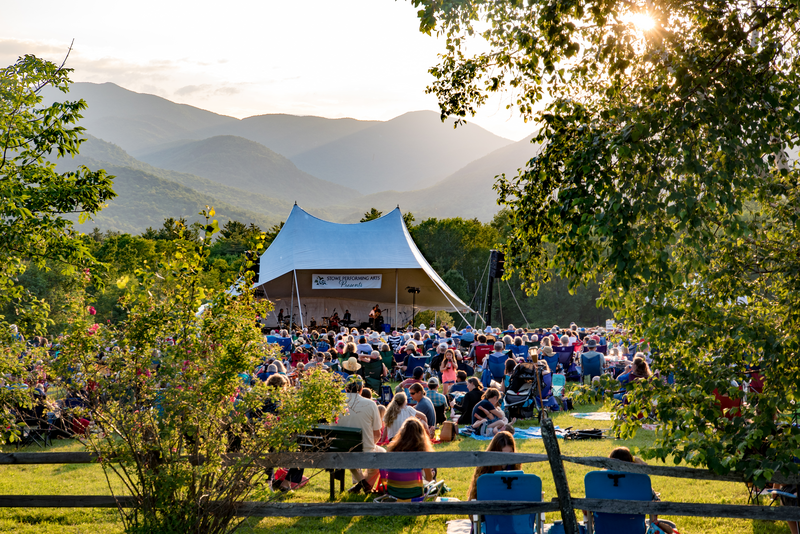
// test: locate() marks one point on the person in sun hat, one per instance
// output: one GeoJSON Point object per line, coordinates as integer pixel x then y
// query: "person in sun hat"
{"type": "Point", "coordinates": [351, 365]}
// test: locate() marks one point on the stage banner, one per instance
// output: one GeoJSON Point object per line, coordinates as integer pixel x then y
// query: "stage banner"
{"type": "Point", "coordinates": [346, 281]}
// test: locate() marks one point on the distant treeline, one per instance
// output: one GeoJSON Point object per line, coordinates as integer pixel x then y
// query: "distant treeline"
{"type": "Point", "coordinates": [457, 248]}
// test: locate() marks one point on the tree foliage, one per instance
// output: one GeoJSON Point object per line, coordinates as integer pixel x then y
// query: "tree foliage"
{"type": "Point", "coordinates": [35, 200]}
{"type": "Point", "coordinates": [371, 215]}
{"type": "Point", "coordinates": [664, 176]}
{"type": "Point", "coordinates": [165, 393]}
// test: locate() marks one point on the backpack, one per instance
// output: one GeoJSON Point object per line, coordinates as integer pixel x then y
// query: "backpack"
{"type": "Point", "coordinates": [587, 433]}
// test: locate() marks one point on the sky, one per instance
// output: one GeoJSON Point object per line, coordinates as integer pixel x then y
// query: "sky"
{"type": "Point", "coordinates": [364, 59]}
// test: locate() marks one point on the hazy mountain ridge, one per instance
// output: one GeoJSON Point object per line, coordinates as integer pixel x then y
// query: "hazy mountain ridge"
{"type": "Point", "coordinates": [145, 200]}
{"type": "Point", "coordinates": [250, 166]}
{"type": "Point", "coordinates": [233, 167]}
{"type": "Point", "coordinates": [405, 153]}
{"type": "Point", "coordinates": [289, 135]}
{"type": "Point", "coordinates": [101, 153]}
{"type": "Point", "coordinates": [467, 193]}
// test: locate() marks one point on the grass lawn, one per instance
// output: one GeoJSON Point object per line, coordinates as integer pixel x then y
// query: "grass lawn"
{"type": "Point", "coordinates": [89, 480]}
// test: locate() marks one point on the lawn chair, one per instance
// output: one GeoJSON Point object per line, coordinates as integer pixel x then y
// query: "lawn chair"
{"type": "Point", "coordinates": [497, 367]}
{"type": "Point", "coordinates": [515, 486]}
{"type": "Point", "coordinates": [621, 486]}
{"type": "Point", "coordinates": [591, 367]}
{"type": "Point", "coordinates": [519, 351]}
{"type": "Point", "coordinates": [285, 343]}
{"type": "Point", "coordinates": [552, 361]}
{"type": "Point", "coordinates": [558, 381]}
{"type": "Point", "coordinates": [482, 351]}
{"type": "Point", "coordinates": [372, 372]}
{"type": "Point", "coordinates": [413, 363]}
{"type": "Point", "coordinates": [467, 368]}
{"type": "Point", "coordinates": [385, 396]}
{"type": "Point", "coordinates": [299, 357]}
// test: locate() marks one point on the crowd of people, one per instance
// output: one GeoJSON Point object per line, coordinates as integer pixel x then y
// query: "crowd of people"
{"type": "Point", "coordinates": [440, 375]}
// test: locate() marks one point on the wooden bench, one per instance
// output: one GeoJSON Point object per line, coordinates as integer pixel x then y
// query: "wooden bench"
{"type": "Point", "coordinates": [325, 438]}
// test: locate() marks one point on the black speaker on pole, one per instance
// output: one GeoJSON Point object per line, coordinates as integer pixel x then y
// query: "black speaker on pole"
{"type": "Point", "coordinates": [497, 264]}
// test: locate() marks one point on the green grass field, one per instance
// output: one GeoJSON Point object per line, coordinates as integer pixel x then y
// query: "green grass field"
{"type": "Point", "coordinates": [89, 480]}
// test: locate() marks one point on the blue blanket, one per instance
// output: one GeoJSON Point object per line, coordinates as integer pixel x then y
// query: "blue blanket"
{"type": "Point", "coordinates": [533, 432]}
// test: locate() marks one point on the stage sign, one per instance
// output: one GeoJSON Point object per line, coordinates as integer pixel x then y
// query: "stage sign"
{"type": "Point", "coordinates": [346, 281]}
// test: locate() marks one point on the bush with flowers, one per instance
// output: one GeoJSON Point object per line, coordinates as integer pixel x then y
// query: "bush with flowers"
{"type": "Point", "coordinates": [172, 418]}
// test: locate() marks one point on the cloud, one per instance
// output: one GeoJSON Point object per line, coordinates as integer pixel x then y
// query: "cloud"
{"type": "Point", "coordinates": [192, 89]}
{"type": "Point", "coordinates": [227, 91]}
{"type": "Point", "coordinates": [12, 49]}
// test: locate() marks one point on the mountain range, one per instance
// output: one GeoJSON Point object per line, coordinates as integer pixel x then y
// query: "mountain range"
{"type": "Point", "coordinates": [172, 159]}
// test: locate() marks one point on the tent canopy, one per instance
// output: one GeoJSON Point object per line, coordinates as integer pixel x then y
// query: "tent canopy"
{"type": "Point", "coordinates": [307, 246]}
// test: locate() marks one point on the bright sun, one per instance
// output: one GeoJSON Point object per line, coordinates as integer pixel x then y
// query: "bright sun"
{"type": "Point", "coordinates": [642, 21]}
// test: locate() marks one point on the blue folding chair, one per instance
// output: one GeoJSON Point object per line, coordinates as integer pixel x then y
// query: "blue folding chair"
{"type": "Point", "coordinates": [413, 363]}
{"type": "Point", "coordinates": [467, 368]}
{"type": "Point", "coordinates": [519, 351]}
{"type": "Point", "coordinates": [558, 381]}
{"type": "Point", "coordinates": [552, 361]}
{"type": "Point", "coordinates": [622, 486]}
{"type": "Point", "coordinates": [591, 367]}
{"type": "Point", "coordinates": [285, 343]}
{"type": "Point", "coordinates": [385, 395]}
{"type": "Point", "coordinates": [515, 486]}
{"type": "Point", "coordinates": [497, 366]}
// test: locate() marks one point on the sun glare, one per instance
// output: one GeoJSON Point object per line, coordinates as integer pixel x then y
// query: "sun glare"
{"type": "Point", "coordinates": [642, 21]}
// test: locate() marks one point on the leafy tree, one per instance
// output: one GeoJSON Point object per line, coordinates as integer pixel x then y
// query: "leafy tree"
{"type": "Point", "coordinates": [168, 397]}
{"type": "Point", "coordinates": [272, 233]}
{"type": "Point", "coordinates": [35, 201]}
{"type": "Point", "coordinates": [664, 177]}
{"type": "Point", "coordinates": [437, 318]}
{"type": "Point", "coordinates": [371, 215]}
{"type": "Point", "coordinates": [408, 219]}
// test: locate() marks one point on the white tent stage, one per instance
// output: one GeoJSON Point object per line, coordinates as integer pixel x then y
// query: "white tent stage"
{"type": "Point", "coordinates": [316, 267]}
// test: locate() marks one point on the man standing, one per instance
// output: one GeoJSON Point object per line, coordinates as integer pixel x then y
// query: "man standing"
{"type": "Point", "coordinates": [362, 413]}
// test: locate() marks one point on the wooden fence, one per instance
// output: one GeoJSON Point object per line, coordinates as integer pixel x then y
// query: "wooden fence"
{"type": "Point", "coordinates": [564, 503]}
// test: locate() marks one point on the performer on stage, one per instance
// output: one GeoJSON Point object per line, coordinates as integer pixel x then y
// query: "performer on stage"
{"type": "Point", "coordinates": [335, 320]}
{"type": "Point", "coordinates": [347, 320]}
{"type": "Point", "coordinates": [280, 316]}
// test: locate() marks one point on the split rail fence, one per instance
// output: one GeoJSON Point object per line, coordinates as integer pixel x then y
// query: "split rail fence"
{"type": "Point", "coordinates": [564, 503]}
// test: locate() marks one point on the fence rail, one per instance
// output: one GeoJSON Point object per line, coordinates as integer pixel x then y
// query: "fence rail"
{"type": "Point", "coordinates": [565, 503]}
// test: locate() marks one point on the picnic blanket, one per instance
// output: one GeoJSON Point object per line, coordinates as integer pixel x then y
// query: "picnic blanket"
{"type": "Point", "coordinates": [533, 432]}
{"type": "Point", "coordinates": [594, 416]}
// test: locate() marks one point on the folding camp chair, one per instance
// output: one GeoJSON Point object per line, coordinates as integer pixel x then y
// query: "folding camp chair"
{"type": "Point", "coordinates": [372, 372]}
{"type": "Point", "coordinates": [385, 396]}
{"type": "Point", "coordinates": [519, 351]}
{"type": "Point", "coordinates": [558, 383]}
{"type": "Point", "coordinates": [591, 367]}
{"type": "Point", "coordinates": [482, 351]}
{"type": "Point", "coordinates": [497, 366]}
{"type": "Point", "coordinates": [621, 486]}
{"type": "Point", "coordinates": [564, 355]}
{"type": "Point", "coordinates": [299, 357]}
{"type": "Point", "coordinates": [285, 344]}
{"type": "Point", "coordinates": [413, 363]}
{"type": "Point", "coordinates": [552, 361]}
{"type": "Point", "coordinates": [514, 486]}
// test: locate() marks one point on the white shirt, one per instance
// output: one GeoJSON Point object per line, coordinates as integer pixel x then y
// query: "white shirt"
{"type": "Point", "coordinates": [406, 413]}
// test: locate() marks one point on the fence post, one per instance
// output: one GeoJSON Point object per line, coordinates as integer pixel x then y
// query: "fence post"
{"type": "Point", "coordinates": [559, 475]}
